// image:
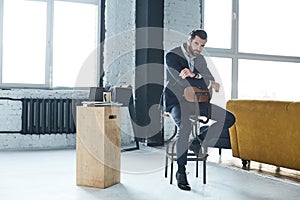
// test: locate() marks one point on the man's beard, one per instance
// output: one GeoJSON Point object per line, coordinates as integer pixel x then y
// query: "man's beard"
{"type": "Point", "coordinates": [192, 51]}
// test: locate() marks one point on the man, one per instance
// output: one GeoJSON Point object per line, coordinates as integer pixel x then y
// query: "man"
{"type": "Point", "coordinates": [187, 67]}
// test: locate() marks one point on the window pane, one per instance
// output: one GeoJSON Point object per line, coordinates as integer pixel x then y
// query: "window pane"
{"type": "Point", "coordinates": [221, 69]}
{"type": "Point", "coordinates": [24, 41]}
{"type": "Point", "coordinates": [272, 29]}
{"type": "Point", "coordinates": [269, 80]}
{"type": "Point", "coordinates": [74, 39]}
{"type": "Point", "coordinates": [217, 23]}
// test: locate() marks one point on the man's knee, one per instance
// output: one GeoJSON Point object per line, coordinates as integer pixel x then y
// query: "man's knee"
{"type": "Point", "coordinates": [230, 118]}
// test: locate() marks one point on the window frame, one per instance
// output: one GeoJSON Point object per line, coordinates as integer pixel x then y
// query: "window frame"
{"type": "Point", "coordinates": [49, 45]}
{"type": "Point", "coordinates": [234, 53]}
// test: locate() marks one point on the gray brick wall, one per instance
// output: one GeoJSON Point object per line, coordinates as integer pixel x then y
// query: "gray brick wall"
{"type": "Point", "coordinates": [181, 16]}
{"type": "Point", "coordinates": [10, 115]}
{"type": "Point", "coordinates": [119, 53]}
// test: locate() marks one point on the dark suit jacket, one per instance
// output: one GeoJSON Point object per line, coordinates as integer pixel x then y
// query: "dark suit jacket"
{"type": "Point", "coordinates": [175, 62]}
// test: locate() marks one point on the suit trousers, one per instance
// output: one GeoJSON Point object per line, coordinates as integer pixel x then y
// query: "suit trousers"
{"type": "Point", "coordinates": [180, 113]}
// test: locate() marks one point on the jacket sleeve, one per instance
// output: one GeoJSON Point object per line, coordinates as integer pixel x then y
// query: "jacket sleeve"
{"type": "Point", "coordinates": [202, 69]}
{"type": "Point", "coordinates": [174, 67]}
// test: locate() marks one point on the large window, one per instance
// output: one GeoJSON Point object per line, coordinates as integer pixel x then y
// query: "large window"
{"type": "Point", "coordinates": [268, 80]}
{"type": "Point", "coordinates": [217, 22]}
{"type": "Point", "coordinates": [74, 38]}
{"type": "Point", "coordinates": [221, 70]}
{"type": "Point", "coordinates": [263, 46]}
{"type": "Point", "coordinates": [24, 42]}
{"type": "Point", "coordinates": [46, 42]}
{"type": "Point", "coordinates": [223, 67]}
{"type": "Point", "coordinates": [272, 29]}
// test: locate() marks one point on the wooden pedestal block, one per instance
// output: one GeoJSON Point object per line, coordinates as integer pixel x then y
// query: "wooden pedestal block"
{"type": "Point", "coordinates": [98, 144]}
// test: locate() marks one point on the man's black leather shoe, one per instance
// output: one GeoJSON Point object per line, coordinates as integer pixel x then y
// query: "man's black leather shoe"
{"type": "Point", "coordinates": [196, 147]}
{"type": "Point", "coordinates": [182, 181]}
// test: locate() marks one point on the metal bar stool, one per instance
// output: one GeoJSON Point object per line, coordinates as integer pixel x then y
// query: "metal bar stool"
{"type": "Point", "coordinates": [171, 154]}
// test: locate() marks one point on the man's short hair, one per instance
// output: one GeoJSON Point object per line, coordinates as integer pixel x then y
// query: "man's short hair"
{"type": "Point", "coordinates": [199, 32]}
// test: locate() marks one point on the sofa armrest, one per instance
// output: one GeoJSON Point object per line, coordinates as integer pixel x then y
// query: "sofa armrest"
{"type": "Point", "coordinates": [233, 133]}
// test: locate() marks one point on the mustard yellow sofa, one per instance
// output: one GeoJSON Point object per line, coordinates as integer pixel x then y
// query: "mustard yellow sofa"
{"type": "Point", "coordinates": [266, 132]}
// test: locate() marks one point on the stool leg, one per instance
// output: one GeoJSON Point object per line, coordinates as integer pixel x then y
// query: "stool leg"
{"type": "Point", "coordinates": [204, 171]}
{"type": "Point", "coordinates": [197, 167]}
{"type": "Point", "coordinates": [204, 164]}
{"type": "Point", "coordinates": [171, 175]}
{"type": "Point", "coordinates": [166, 167]}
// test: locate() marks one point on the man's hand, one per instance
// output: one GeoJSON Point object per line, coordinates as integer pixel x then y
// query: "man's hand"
{"type": "Point", "coordinates": [215, 86]}
{"type": "Point", "coordinates": [186, 73]}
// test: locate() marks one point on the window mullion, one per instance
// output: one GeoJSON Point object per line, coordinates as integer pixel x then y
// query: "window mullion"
{"type": "Point", "coordinates": [217, 52]}
{"type": "Point", "coordinates": [49, 45]}
{"type": "Point", "coordinates": [100, 41]}
{"type": "Point", "coordinates": [1, 39]}
{"type": "Point", "coordinates": [95, 2]}
{"type": "Point", "coordinates": [253, 56]}
{"type": "Point", "coordinates": [234, 47]}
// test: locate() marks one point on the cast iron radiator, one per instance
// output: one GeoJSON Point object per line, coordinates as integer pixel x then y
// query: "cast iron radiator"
{"type": "Point", "coordinates": [48, 116]}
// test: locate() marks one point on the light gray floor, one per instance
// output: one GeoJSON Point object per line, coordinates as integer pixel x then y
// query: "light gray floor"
{"type": "Point", "coordinates": [51, 174]}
